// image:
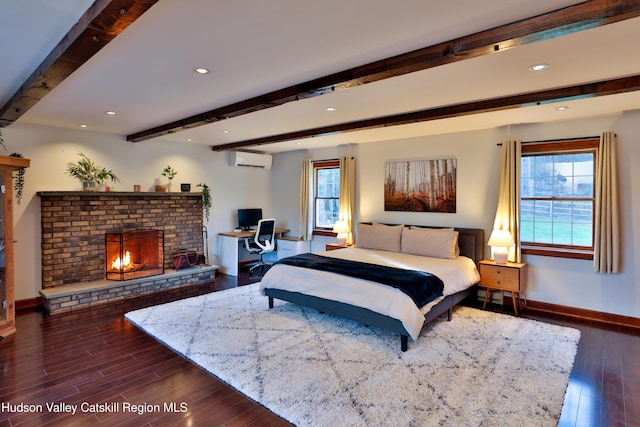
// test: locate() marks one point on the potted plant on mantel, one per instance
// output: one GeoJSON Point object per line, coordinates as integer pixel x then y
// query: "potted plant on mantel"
{"type": "Point", "coordinates": [169, 173]}
{"type": "Point", "coordinates": [89, 173]}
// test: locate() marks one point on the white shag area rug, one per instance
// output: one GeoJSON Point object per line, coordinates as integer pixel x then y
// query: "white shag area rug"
{"type": "Point", "coordinates": [314, 369]}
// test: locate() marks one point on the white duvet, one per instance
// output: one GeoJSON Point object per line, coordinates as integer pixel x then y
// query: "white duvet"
{"type": "Point", "coordinates": [457, 274]}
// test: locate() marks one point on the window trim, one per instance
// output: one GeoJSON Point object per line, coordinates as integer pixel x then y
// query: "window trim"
{"type": "Point", "coordinates": [556, 252]}
{"type": "Point", "coordinates": [322, 164]}
{"type": "Point", "coordinates": [589, 144]}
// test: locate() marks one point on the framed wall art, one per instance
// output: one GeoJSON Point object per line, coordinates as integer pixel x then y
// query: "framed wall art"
{"type": "Point", "coordinates": [420, 185]}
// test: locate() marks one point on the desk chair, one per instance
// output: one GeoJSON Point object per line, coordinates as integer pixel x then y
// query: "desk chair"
{"type": "Point", "coordinates": [263, 242]}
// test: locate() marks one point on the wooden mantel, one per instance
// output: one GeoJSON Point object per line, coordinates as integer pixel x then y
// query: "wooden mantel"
{"type": "Point", "coordinates": [193, 194]}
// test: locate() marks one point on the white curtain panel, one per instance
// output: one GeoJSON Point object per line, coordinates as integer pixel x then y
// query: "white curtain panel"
{"type": "Point", "coordinates": [606, 239]}
{"type": "Point", "coordinates": [305, 230]}
{"type": "Point", "coordinates": [347, 193]}
{"type": "Point", "coordinates": [508, 209]}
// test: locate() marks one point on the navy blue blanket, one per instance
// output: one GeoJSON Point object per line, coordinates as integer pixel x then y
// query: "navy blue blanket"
{"type": "Point", "coordinates": [420, 286]}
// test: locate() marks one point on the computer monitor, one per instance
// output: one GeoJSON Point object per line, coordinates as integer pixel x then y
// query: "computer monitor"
{"type": "Point", "coordinates": [248, 218]}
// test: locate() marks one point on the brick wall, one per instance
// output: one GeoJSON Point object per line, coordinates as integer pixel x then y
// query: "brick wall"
{"type": "Point", "coordinates": [74, 224]}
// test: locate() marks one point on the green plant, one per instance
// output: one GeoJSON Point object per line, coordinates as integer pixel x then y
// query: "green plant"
{"type": "Point", "coordinates": [18, 183]}
{"type": "Point", "coordinates": [87, 171]}
{"type": "Point", "coordinates": [206, 200]}
{"type": "Point", "coordinates": [169, 172]}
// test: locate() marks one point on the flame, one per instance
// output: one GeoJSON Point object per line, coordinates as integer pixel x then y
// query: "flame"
{"type": "Point", "coordinates": [126, 262]}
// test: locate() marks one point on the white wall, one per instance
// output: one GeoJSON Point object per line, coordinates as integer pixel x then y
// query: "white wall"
{"type": "Point", "coordinates": [554, 280]}
{"type": "Point", "coordinates": [50, 149]}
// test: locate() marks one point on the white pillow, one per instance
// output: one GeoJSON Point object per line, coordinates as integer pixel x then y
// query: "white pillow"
{"type": "Point", "coordinates": [444, 230]}
{"type": "Point", "coordinates": [379, 236]}
{"type": "Point", "coordinates": [433, 242]}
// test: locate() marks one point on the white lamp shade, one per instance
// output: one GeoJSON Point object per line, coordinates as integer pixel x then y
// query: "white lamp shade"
{"type": "Point", "coordinates": [342, 230]}
{"type": "Point", "coordinates": [500, 241]}
{"type": "Point", "coordinates": [341, 227]}
{"type": "Point", "coordinates": [501, 238]}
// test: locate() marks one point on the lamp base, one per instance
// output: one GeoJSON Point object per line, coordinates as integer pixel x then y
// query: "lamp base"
{"type": "Point", "coordinates": [500, 257]}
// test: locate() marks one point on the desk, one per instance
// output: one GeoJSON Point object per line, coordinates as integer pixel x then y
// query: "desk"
{"type": "Point", "coordinates": [229, 249]}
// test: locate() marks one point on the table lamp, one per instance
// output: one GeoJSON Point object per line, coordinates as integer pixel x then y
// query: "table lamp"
{"type": "Point", "coordinates": [342, 230]}
{"type": "Point", "coordinates": [500, 242]}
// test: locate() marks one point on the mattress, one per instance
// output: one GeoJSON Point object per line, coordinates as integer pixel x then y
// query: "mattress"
{"type": "Point", "coordinates": [457, 274]}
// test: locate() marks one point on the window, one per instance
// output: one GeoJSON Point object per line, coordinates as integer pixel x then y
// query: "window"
{"type": "Point", "coordinates": [557, 198]}
{"type": "Point", "coordinates": [326, 194]}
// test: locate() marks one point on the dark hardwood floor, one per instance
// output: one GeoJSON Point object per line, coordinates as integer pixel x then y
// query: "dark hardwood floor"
{"type": "Point", "coordinates": [604, 386]}
{"type": "Point", "coordinates": [95, 356]}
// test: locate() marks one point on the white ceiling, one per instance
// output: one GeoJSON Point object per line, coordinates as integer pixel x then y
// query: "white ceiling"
{"type": "Point", "coordinates": [254, 47]}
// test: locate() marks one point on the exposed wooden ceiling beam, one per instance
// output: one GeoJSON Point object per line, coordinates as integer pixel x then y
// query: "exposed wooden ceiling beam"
{"type": "Point", "coordinates": [589, 90]}
{"type": "Point", "coordinates": [583, 16]}
{"type": "Point", "coordinates": [100, 24]}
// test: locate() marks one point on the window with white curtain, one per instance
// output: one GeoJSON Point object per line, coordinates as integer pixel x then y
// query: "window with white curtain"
{"type": "Point", "coordinates": [557, 197]}
{"type": "Point", "coordinates": [326, 194]}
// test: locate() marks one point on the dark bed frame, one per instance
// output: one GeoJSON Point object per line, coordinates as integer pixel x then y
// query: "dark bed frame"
{"type": "Point", "coordinates": [471, 243]}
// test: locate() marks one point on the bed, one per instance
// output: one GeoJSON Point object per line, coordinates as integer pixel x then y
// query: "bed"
{"type": "Point", "coordinates": [376, 304]}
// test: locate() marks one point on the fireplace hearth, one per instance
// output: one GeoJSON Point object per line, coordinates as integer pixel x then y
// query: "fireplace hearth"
{"type": "Point", "coordinates": [132, 254]}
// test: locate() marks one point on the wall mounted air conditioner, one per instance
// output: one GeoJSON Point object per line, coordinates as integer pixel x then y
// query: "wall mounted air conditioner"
{"type": "Point", "coordinates": [255, 160]}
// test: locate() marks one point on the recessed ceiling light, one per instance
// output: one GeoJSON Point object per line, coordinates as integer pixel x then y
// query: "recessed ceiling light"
{"type": "Point", "coordinates": [189, 140]}
{"type": "Point", "coordinates": [562, 108]}
{"type": "Point", "coordinates": [110, 113]}
{"type": "Point", "coordinates": [201, 70]}
{"type": "Point", "coordinates": [82, 125]}
{"type": "Point", "coordinates": [225, 131]}
{"type": "Point", "coordinates": [330, 109]}
{"type": "Point", "coordinates": [538, 67]}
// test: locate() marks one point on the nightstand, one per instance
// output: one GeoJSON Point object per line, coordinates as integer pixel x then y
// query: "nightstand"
{"type": "Point", "coordinates": [334, 246]}
{"type": "Point", "coordinates": [510, 277]}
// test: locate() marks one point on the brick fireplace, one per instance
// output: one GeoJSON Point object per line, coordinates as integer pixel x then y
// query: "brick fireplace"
{"type": "Point", "coordinates": [75, 226]}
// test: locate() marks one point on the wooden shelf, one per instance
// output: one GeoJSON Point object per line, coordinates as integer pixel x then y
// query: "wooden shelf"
{"type": "Point", "coordinates": [14, 163]}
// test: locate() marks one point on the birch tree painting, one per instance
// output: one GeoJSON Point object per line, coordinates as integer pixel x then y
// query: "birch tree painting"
{"type": "Point", "coordinates": [420, 186]}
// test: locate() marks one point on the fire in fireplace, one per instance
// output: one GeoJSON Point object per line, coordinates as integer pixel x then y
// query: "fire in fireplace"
{"type": "Point", "coordinates": [130, 254]}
